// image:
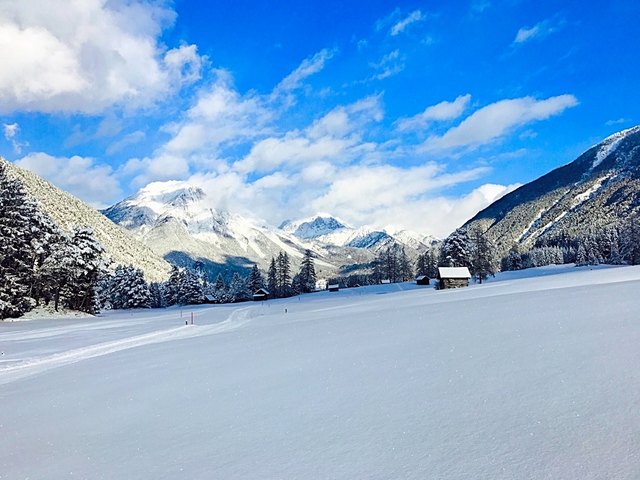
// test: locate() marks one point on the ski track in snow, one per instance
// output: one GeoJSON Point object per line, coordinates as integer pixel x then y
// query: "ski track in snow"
{"type": "Point", "coordinates": [19, 369]}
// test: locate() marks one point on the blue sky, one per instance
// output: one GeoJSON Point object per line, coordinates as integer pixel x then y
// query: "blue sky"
{"type": "Point", "coordinates": [399, 115]}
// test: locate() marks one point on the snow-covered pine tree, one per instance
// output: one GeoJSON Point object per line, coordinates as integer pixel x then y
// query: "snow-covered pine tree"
{"type": "Point", "coordinates": [455, 250]}
{"type": "Point", "coordinates": [630, 241]}
{"type": "Point", "coordinates": [157, 295]}
{"type": "Point", "coordinates": [220, 289]}
{"type": "Point", "coordinates": [172, 286]}
{"type": "Point", "coordinates": [307, 274]}
{"type": "Point", "coordinates": [87, 265]}
{"type": "Point", "coordinates": [255, 281]}
{"type": "Point", "coordinates": [21, 247]}
{"type": "Point", "coordinates": [238, 291]}
{"type": "Point", "coordinates": [190, 289]}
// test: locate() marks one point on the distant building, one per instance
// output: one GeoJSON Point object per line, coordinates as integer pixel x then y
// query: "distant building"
{"type": "Point", "coordinates": [422, 280]}
{"type": "Point", "coordinates": [453, 277]}
{"type": "Point", "coordinates": [208, 299]}
{"type": "Point", "coordinates": [385, 281]}
{"type": "Point", "coordinates": [260, 295]}
{"type": "Point", "coordinates": [334, 287]}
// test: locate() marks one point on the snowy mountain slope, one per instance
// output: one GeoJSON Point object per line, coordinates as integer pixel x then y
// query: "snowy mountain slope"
{"type": "Point", "coordinates": [176, 220]}
{"type": "Point", "coordinates": [508, 380]}
{"type": "Point", "coordinates": [68, 212]}
{"type": "Point", "coordinates": [600, 188]}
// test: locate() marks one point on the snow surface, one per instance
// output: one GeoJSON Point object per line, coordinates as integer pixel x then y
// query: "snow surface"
{"type": "Point", "coordinates": [530, 375]}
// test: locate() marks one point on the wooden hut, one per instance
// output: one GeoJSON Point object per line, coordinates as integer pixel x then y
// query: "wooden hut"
{"type": "Point", "coordinates": [334, 287]}
{"type": "Point", "coordinates": [208, 299]}
{"type": "Point", "coordinates": [453, 277]}
{"type": "Point", "coordinates": [422, 280]}
{"type": "Point", "coordinates": [260, 295]}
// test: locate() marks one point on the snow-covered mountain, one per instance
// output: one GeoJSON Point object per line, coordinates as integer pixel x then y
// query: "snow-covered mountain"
{"type": "Point", "coordinates": [331, 231]}
{"type": "Point", "coordinates": [68, 212]}
{"type": "Point", "coordinates": [600, 189]}
{"type": "Point", "coordinates": [177, 221]}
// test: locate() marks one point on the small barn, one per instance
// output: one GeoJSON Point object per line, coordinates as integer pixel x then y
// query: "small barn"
{"type": "Point", "coordinates": [422, 280]}
{"type": "Point", "coordinates": [385, 281]}
{"type": "Point", "coordinates": [260, 295]}
{"type": "Point", "coordinates": [334, 287]}
{"type": "Point", "coordinates": [453, 277]}
{"type": "Point", "coordinates": [208, 299]}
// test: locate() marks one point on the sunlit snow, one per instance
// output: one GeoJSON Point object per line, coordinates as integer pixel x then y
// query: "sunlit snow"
{"type": "Point", "coordinates": [532, 375]}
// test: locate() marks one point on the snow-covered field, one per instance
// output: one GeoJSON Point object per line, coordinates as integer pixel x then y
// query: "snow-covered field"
{"type": "Point", "coordinates": [533, 375]}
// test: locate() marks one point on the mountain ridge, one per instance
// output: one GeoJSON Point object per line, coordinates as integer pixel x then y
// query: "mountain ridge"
{"type": "Point", "coordinates": [600, 188]}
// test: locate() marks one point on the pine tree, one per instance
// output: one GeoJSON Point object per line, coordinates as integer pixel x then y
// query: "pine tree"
{"type": "Point", "coordinates": [482, 259]}
{"type": "Point", "coordinates": [172, 286]}
{"type": "Point", "coordinates": [87, 266]}
{"type": "Point", "coordinates": [20, 243]}
{"type": "Point", "coordinates": [190, 288]}
{"type": "Point", "coordinates": [157, 295]}
{"type": "Point", "coordinates": [404, 266]}
{"type": "Point", "coordinates": [256, 281]}
{"type": "Point", "coordinates": [238, 291]}
{"type": "Point", "coordinates": [284, 275]}
{"type": "Point", "coordinates": [307, 274]}
{"type": "Point", "coordinates": [220, 289]}
{"type": "Point", "coordinates": [272, 278]}
{"type": "Point", "coordinates": [455, 250]}
{"type": "Point", "coordinates": [630, 241]}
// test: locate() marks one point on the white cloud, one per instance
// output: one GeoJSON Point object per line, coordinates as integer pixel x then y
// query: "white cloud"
{"type": "Point", "coordinates": [61, 56]}
{"type": "Point", "coordinates": [390, 64]}
{"type": "Point", "coordinates": [539, 30]}
{"type": "Point", "coordinates": [496, 120]}
{"type": "Point", "coordinates": [436, 113]}
{"type": "Point", "coordinates": [616, 121]}
{"type": "Point", "coordinates": [10, 134]}
{"type": "Point", "coordinates": [94, 183]}
{"type": "Point", "coordinates": [307, 68]}
{"type": "Point", "coordinates": [413, 17]}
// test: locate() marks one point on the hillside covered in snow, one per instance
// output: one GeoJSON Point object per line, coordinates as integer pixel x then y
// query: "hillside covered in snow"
{"type": "Point", "coordinates": [69, 212]}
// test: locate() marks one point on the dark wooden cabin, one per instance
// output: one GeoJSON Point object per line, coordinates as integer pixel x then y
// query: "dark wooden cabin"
{"type": "Point", "coordinates": [453, 277]}
{"type": "Point", "coordinates": [260, 295]}
{"type": "Point", "coordinates": [422, 280]}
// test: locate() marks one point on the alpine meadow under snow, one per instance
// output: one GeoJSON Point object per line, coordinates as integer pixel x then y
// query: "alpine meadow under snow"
{"type": "Point", "coordinates": [531, 375]}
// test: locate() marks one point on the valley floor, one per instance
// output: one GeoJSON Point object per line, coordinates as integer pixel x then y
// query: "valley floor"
{"type": "Point", "coordinates": [533, 375]}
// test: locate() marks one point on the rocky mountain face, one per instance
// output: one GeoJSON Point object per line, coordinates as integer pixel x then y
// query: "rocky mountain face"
{"type": "Point", "coordinates": [69, 212]}
{"type": "Point", "coordinates": [176, 220]}
{"type": "Point", "coordinates": [600, 189]}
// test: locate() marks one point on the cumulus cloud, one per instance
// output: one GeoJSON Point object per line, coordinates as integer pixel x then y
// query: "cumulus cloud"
{"type": "Point", "coordinates": [496, 120]}
{"type": "Point", "coordinates": [94, 183]}
{"type": "Point", "coordinates": [61, 56]}
{"type": "Point", "coordinates": [401, 26]}
{"type": "Point", "coordinates": [436, 113]}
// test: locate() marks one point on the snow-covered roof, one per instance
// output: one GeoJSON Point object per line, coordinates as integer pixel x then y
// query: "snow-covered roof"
{"type": "Point", "coordinates": [334, 285]}
{"type": "Point", "coordinates": [453, 272]}
{"type": "Point", "coordinates": [261, 291]}
{"type": "Point", "coordinates": [421, 277]}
